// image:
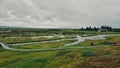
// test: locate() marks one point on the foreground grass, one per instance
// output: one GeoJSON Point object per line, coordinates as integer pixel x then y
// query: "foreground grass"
{"type": "Point", "coordinates": [73, 58]}
{"type": "Point", "coordinates": [12, 59]}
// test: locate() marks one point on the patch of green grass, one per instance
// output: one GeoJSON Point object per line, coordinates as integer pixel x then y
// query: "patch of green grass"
{"type": "Point", "coordinates": [88, 43]}
{"type": "Point", "coordinates": [44, 45]}
{"type": "Point", "coordinates": [29, 39]}
{"type": "Point", "coordinates": [113, 39]}
{"type": "Point", "coordinates": [108, 41]}
{"type": "Point", "coordinates": [61, 53]}
{"type": "Point", "coordinates": [14, 59]}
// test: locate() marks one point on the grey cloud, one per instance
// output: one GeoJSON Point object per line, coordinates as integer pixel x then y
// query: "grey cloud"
{"type": "Point", "coordinates": [60, 13]}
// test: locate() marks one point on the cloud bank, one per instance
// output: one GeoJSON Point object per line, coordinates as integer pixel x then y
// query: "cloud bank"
{"type": "Point", "coordinates": [59, 13]}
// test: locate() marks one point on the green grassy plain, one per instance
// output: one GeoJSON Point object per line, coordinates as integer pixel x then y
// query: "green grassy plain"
{"type": "Point", "coordinates": [96, 57]}
{"type": "Point", "coordinates": [44, 45]}
{"type": "Point", "coordinates": [110, 40]}
{"type": "Point", "coordinates": [73, 58]}
{"type": "Point", "coordinates": [28, 39]}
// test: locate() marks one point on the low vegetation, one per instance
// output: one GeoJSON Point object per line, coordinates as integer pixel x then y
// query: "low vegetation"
{"type": "Point", "coordinates": [29, 39]}
{"type": "Point", "coordinates": [101, 54]}
{"type": "Point", "coordinates": [43, 45]}
{"type": "Point", "coordinates": [110, 40]}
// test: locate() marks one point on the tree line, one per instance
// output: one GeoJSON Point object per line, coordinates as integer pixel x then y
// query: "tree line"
{"type": "Point", "coordinates": [102, 28]}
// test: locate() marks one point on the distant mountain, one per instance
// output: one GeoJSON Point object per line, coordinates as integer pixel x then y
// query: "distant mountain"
{"type": "Point", "coordinates": [18, 27]}
{"type": "Point", "coordinates": [4, 26]}
{"type": "Point", "coordinates": [10, 27]}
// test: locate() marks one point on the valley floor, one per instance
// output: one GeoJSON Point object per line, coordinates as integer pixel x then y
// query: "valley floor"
{"type": "Point", "coordinates": [104, 53]}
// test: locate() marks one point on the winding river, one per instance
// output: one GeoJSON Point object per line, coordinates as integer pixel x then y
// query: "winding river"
{"type": "Point", "coordinates": [97, 37]}
{"type": "Point", "coordinates": [79, 40]}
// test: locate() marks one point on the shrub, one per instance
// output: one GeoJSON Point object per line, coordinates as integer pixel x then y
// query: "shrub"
{"type": "Point", "coordinates": [40, 60]}
{"type": "Point", "coordinates": [88, 53]}
{"type": "Point", "coordinates": [61, 53]}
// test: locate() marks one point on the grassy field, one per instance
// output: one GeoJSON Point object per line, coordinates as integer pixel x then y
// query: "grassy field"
{"type": "Point", "coordinates": [44, 45]}
{"type": "Point", "coordinates": [111, 40]}
{"type": "Point", "coordinates": [74, 58]}
{"type": "Point", "coordinates": [96, 57]}
{"type": "Point", "coordinates": [13, 59]}
{"type": "Point", "coordinates": [29, 39]}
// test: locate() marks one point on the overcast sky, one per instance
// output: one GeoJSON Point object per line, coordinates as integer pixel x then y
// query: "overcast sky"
{"type": "Point", "coordinates": [59, 13]}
